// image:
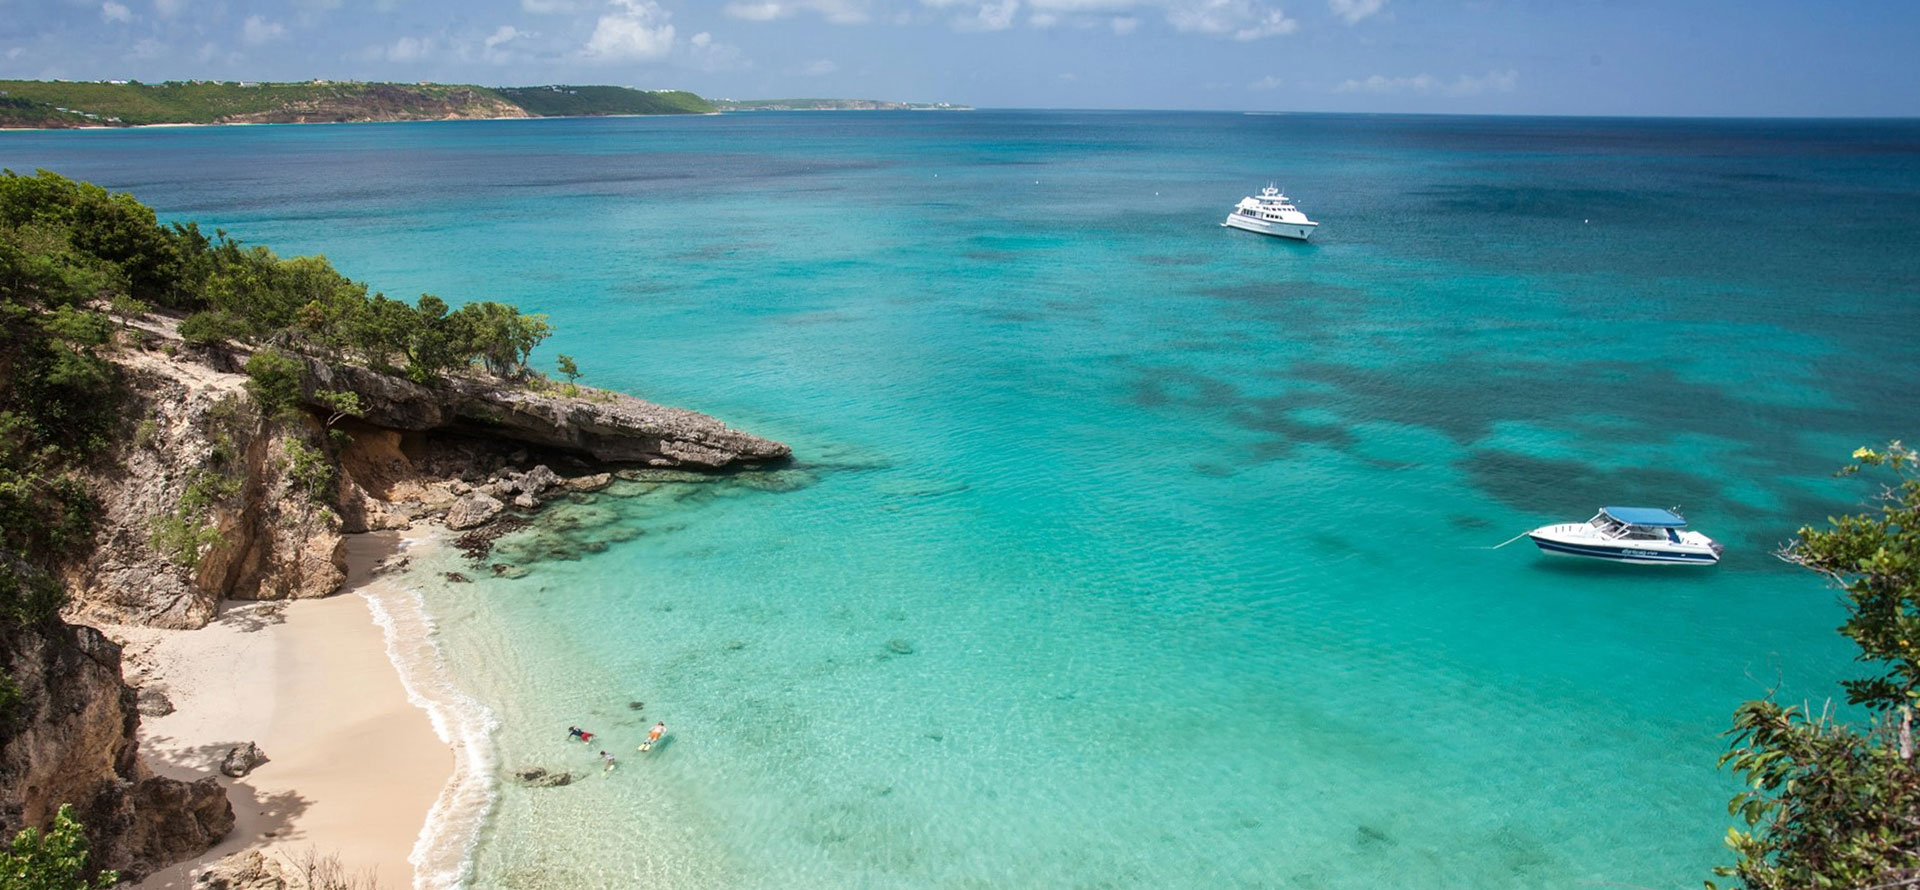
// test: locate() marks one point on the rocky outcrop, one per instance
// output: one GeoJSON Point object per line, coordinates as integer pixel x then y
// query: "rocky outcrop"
{"type": "Point", "coordinates": [205, 500]}
{"type": "Point", "coordinates": [476, 509]}
{"type": "Point", "coordinates": [605, 426]}
{"type": "Point", "coordinates": [241, 759]}
{"type": "Point", "coordinates": [201, 466]}
{"type": "Point", "coordinates": [70, 739]}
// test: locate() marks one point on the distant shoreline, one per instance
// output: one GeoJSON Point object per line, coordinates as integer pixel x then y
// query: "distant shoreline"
{"type": "Point", "coordinates": [92, 105]}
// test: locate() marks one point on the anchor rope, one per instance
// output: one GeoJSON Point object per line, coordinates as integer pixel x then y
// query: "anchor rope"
{"type": "Point", "coordinates": [1507, 541]}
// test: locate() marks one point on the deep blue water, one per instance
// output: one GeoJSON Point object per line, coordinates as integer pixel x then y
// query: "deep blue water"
{"type": "Point", "coordinates": [1124, 550]}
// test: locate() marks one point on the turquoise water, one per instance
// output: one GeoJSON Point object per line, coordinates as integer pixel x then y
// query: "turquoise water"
{"type": "Point", "coordinates": [1124, 550]}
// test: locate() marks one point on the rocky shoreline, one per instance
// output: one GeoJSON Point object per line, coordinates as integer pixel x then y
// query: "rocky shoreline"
{"type": "Point", "coordinates": [264, 516]}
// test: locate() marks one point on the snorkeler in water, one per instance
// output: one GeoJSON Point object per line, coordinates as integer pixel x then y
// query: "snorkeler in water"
{"type": "Point", "coordinates": [653, 735]}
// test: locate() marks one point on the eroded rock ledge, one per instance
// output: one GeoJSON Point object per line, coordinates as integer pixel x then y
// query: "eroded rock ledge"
{"type": "Point", "coordinates": [604, 426]}
{"type": "Point", "coordinates": [410, 454]}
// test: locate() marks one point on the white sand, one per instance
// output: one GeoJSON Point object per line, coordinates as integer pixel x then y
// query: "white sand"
{"type": "Point", "coordinates": [353, 768]}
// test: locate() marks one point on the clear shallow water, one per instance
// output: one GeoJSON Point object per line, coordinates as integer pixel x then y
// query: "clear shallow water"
{"type": "Point", "coordinates": [1178, 525]}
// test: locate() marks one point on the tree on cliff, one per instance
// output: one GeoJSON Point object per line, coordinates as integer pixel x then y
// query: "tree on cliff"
{"type": "Point", "coordinates": [89, 247]}
{"type": "Point", "coordinates": [1832, 804]}
{"type": "Point", "coordinates": [56, 860]}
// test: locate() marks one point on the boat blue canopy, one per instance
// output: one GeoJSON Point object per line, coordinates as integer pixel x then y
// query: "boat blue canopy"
{"type": "Point", "coordinates": [1648, 516]}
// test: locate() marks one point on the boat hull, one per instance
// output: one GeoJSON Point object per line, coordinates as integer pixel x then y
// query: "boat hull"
{"type": "Point", "coordinates": [1637, 555]}
{"type": "Point", "coordinates": [1293, 231]}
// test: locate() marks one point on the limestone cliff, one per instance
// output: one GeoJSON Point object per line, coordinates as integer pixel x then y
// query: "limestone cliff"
{"type": "Point", "coordinates": [68, 738]}
{"type": "Point", "coordinates": [201, 462]}
{"type": "Point", "coordinates": [206, 500]}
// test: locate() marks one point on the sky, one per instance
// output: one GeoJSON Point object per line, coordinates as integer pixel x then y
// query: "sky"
{"type": "Point", "coordinates": [1588, 57]}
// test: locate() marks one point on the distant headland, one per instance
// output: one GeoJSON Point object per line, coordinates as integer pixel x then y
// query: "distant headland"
{"type": "Point", "coordinates": [60, 104]}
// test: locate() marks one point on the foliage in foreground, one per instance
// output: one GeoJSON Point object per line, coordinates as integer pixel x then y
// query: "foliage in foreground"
{"type": "Point", "coordinates": [55, 860]}
{"type": "Point", "coordinates": [1832, 804]}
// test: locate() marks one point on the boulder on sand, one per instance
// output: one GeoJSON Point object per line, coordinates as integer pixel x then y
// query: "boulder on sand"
{"type": "Point", "coordinates": [241, 759]}
{"type": "Point", "coordinates": [475, 509]}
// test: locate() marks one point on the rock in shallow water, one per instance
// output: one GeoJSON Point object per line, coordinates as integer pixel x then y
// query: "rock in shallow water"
{"type": "Point", "coordinates": [541, 777]}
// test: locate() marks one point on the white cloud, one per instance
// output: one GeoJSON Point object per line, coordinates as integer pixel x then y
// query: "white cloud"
{"type": "Point", "coordinates": [1070, 6]}
{"type": "Point", "coordinates": [503, 34]}
{"type": "Point", "coordinates": [406, 49]}
{"type": "Point", "coordinates": [1240, 19]}
{"type": "Point", "coordinates": [997, 16]}
{"type": "Point", "coordinates": [555, 7]}
{"type": "Point", "coordinates": [1270, 82]}
{"type": "Point", "coordinates": [839, 12]}
{"type": "Point", "coordinates": [257, 30]}
{"type": "Point", "coordinates": [1124, 25]}
{"type": "Point", "coordinates": [1355, 10]}
{"type": "Point", "coordinates": [818, 68]}
{"type": "Point", "coordinates": [757, 12]}
{"type": "Point", "coordinates": [115, 12]}
{"type": "Point", "coordinates": [708, 54]}
{"type": "Point", "coordinates": [637, 31]}
{"type": "Point", "coordinates": [167, 9]}
{"type": "Point", "coordinates": [148, 48]}
{"type": "Point", "coordinates": [1464, 85]}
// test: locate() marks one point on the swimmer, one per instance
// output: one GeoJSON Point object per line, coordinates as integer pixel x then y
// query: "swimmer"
{"type": "Point", "coordinates": [608, 760]}
{"type": "Point", "coordinates": [575, 732]}
{"type": "Point", "coordinates": [653, 735]}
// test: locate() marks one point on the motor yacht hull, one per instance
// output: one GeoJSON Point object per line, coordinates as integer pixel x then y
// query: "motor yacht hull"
{"type": "Point", "coordinates": [1577, 539]}
{"type": "Point", "coordinates": [1294, 230]}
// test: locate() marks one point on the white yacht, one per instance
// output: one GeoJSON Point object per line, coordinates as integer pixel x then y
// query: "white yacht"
{"type": "Point", "coordinates": [1271, 213]}
{"type": "Point", "coordinates": [1629, 534]}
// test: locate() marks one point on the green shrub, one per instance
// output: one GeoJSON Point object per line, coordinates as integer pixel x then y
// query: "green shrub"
{"type": "Point", "coordinates": [274, 380]}
{"type": "Point", "coordinates": [309, 468]}
{"type": "Point", "coordinates": [212, 328]}
{"type": "Point", "coordinates": [181, 538]}
{"type": "Point", "coordinates": [54, 860]}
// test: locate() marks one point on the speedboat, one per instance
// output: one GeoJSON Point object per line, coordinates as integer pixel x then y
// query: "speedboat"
{"type": "Point", "coordinates": [1271, 213]}
{"type": "Point", "coordinates": [1629, 534]}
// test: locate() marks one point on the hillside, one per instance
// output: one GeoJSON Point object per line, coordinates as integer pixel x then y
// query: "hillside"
{"type": "Point", "coordinates": [557, 101]}
{"type": "Point", "coordinates": [44, 104]}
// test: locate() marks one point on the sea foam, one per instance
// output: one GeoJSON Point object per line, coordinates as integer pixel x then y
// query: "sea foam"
{"type": "Point", "coordinates": [443, 854]}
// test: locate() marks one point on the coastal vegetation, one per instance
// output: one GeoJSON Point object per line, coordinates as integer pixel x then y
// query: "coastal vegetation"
{"type": "Point", "coordinates": [53, 860]}
{"type": "Point", "coordinates": [574, 101]}
{"type": "Point", "coordinates": [36, 103]}
{"type": "Point", "coordinates": [73, 256]}
{"type": "Point", "coordinates": [1832, 803]}
{"type": "Point", "coordinates": [62, 103]}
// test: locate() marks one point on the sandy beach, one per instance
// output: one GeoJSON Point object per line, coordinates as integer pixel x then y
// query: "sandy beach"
{"type": "Point", "coordinates": [353, 766]}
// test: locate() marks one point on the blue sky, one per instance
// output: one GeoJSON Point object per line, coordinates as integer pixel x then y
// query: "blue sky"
{"type": "Point", "coordinates": [1760, 57]}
